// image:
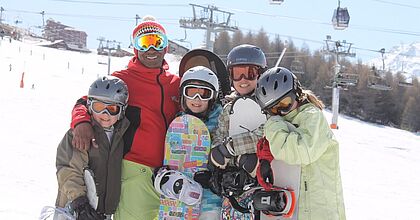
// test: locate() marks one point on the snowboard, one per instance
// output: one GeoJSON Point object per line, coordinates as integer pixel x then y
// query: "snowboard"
{"type": "Point", "coordinates": [245, 116]}
{"type": "Point", "coordinates": [55, 213]}
{"type": "Point", "coordinates": [187, 146]}
{"type": "Point", "coordinates": [201, 57]}
{"type": "Point", "coordinates": [58, 213]}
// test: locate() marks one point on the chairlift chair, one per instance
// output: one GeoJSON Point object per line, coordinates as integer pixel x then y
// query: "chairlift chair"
{"type": "Point", "coordinates": [276, 2]}
{"type": "Point", "coordinates": [297, 67]}
{"type": "Point", "coordinates": [406, 81]}
{"type": "Point", "coordinates": [347, 79]}
{"type": "Point", "coordinates": [340, 18]}
{"type": "Point", "coordinates": [376, 80]}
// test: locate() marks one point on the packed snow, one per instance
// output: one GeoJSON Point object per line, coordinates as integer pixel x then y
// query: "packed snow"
{"type": "Point", "coordinates": [380, 165]}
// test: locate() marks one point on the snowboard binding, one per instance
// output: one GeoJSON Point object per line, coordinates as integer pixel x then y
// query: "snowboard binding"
{"type": "Point", "coordinates": [275, 202]}
{"type": "Point", "coordinates": [175, 185]}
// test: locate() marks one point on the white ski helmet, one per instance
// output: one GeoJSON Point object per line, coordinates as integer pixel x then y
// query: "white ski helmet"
{"type": "Point", "coordinates": [201, 74]}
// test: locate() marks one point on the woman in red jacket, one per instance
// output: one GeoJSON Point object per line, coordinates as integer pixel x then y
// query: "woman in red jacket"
{"type": "Point", "coordinates": [152, 105]}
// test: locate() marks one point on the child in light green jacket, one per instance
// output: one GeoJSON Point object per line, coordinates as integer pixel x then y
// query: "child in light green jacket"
{"type": "Point", "coordinates": [299, 134]}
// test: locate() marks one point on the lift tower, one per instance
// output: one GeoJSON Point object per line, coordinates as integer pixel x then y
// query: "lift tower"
{"type": "Point", "coordinates": [207, 18]}
{"type": "Point", "coordinates": [338, 49]}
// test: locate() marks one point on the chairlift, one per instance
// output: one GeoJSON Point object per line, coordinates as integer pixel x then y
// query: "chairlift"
{"type": "Point", "coordinates": [276, 2]}
{"type": "Point", "coordinates": [404, 80]}
{"type": "Point", "coordinates": [340, 18]}
{"type": "Point", "coordinates": [347, 79]}
{"type": "Point", "coordinates": [376, 80]}
{"type": "Point", "coordinates": [297, 67]}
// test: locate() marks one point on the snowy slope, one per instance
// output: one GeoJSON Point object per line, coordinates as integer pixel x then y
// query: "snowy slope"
{"type": "Point", "coordinates": [379, 165]}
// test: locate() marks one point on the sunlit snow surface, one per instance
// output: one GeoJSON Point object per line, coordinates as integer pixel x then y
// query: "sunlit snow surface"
{"type": "Point", "coordinates": [380, 166]}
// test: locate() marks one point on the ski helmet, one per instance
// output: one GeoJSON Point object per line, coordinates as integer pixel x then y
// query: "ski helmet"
{"type": "Point", "coordinates": [201, 74]}
{"type": "Point", "coordinates": [246, 54]}
{"type": "Point", "coordinates": [110, 89]}
{"type": "Point", "coordinates": [274, 84]}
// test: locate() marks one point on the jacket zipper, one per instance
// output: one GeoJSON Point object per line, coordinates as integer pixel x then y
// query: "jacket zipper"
{"type": "Point", "coordinates": [162, 98]}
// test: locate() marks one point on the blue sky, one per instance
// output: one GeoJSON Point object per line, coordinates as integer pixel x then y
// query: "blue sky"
{"type": "Point", "coordinates": [374, 24]}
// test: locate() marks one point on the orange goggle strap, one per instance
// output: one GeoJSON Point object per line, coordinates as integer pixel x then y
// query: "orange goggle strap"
{"type": "Point", "coordinates": [144, 42]}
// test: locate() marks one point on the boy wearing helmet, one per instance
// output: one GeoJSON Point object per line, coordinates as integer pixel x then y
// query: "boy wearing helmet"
{"type": "Point", "coordinates": [299, 134]}
{"type": "Point", "coordinates": [107, 100]}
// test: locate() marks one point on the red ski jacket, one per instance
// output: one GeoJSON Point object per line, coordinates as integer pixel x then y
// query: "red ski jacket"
{"type": "Point", "coordinates": [152, 105]}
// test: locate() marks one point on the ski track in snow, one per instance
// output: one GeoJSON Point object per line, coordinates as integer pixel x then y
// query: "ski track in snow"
{"type": "Point", "coordinates": [379, 164]}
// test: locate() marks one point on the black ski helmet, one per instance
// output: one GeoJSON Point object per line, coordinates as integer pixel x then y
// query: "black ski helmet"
{"type": "Point", "coordinates": [246, 54]}
{"type": "Point", "coordinates": [275, 83]}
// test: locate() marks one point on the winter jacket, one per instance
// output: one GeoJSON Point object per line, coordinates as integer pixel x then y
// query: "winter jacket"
{"type": "Point", "coordinates": [105, 162]}
{"type": "Point", "coordinates": [303, 137]}
{"type": "Point", "coordinates": [152, 105]}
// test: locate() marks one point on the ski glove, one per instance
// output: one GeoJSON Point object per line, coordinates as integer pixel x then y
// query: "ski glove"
{"type": "Point", "coordinates": [265, 174]}
{"type": "Point", "coordinates": [248, 162]}
{"type": "Point", "coordinates": [84, 211]}
{"type": "Point", "coordinates": [221, 154]}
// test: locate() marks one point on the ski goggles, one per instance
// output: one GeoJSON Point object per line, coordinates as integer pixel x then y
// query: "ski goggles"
{"type": "Point", "coordinates": [248, 72]}
{"type": "Point", "coordinates": [100, 107]}
{"type": "Point", "coordinates": [144, 42]}
{"type": "Point", "coordinates": [193, 91]}
{"type": "Point", "coordinates": [283, 106]}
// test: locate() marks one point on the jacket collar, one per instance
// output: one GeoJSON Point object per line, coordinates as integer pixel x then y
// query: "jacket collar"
{"type": "Point", "coordinates": [135, 66]}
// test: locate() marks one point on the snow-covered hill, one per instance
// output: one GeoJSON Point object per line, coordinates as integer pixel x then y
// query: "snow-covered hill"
{"type": "Point", "coordinates": [379, 165]}
{"type": "Point", "coordinates": [404, 58]}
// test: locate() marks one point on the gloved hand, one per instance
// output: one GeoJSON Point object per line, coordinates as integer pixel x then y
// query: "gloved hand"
{"type": "Point", "coordinates": [265, 174]}
{"type": "Point", "coordinates": [83, 136]}
{"type": "Point", "coordinates": [84, 211]}
{"type": "Point", "coordinates": [221, 154]}
{"type": "Point", "coordinates": [248, 162]}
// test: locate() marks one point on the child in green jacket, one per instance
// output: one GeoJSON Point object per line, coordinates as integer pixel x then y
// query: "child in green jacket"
{"type": "Point", "coordinates": [299, 134]}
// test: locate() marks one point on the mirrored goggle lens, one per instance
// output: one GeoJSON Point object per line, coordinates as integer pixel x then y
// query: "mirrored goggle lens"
{"type": "Point", "coordinates": [145, 41]}
{"type": "Point", "coordinates": [249, 72]}
{"type": "Point", "coordinates": [100, 107]}
{"type": "Point", "coordinates": [203, 92]}
{"type": "Point", "coordinates": [283, 106]}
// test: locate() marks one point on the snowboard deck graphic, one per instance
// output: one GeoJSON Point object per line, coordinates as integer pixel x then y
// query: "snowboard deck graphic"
{"type": "Point", "coordinates": [187, 146]}
{"type": "Point", "coordinates": [201, 57]}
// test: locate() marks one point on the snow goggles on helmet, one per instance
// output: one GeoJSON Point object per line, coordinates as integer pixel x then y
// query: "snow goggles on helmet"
{"type": "Point", "coordinates": [144, 42]}
{"type": "Point", "coordinates": [205, 93]}
{"type": "Point", "coordinates": [249, 72]}
{"type": "Point", "coordinates": [283, 106]}
{"type": "Point", "coordinates": [100, 107]}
